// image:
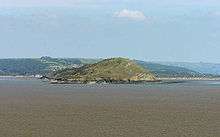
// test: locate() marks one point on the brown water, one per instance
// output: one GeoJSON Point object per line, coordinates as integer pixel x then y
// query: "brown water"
{"type": "Point", "coordinates": [32, 108]}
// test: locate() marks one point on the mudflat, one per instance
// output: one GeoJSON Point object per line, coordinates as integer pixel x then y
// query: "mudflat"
{"type": "Point", "coordinates": [32, 108]}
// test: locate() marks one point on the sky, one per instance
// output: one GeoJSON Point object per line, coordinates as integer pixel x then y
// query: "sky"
{"type": "Point", "coordinates": [169, 30]}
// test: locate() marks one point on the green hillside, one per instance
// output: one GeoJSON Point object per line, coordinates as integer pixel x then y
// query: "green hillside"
{"type": "Point", "coordinates": [160, 70]}
{"type": "Point", "coordinates": [45, 65]}
{"type": "Point", "coordinates": [109, 70]}
{"type": "Point", "coordinates": [42, 66]}
{"type": "Point", "coordinates": [22, 67]}
{"type": "Point", "coordinates": [206, 68]}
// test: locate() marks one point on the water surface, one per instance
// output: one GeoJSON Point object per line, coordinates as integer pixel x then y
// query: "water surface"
{"type": "Point", "coordinates": [31, 107]}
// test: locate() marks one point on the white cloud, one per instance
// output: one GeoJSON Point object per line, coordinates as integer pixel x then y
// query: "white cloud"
{"type": "Point", "coordinates": [129, 14]}
{"type": "Point", "coordinates": [216, 13]}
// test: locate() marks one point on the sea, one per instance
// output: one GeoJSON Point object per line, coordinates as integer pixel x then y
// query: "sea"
{"type": "Point", "coordinates": [38, 83]}
{"type": "Point", "coordinates": [31, 107]}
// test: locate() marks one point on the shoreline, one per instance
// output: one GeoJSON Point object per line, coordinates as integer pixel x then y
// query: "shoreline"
{"type": "Point", "coordinates": [20, 76]}
{"type": "Point", "coordinates": [195, 79]}
{"type": "Point", "coordinates": [53, 81]}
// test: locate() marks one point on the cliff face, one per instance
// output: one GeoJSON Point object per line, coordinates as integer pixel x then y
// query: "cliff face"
{"type": "Point", "coordinates": [114, 69]}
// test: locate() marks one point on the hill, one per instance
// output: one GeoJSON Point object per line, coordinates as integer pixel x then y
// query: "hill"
{"type": "Point", "coordinates": [206, 68]}
{"type": "Point", "coordinates": [21, 67]}
{"type": "Point", "coordinates": [166, 71]}
{"type": "Point", "coordinates": [115, 70]}
{"type": "Point", "coordinates": [45, 65]}
{"type": "Point", "coordinates": [41, 66]}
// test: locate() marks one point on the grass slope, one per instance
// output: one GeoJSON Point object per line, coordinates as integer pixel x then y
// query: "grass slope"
{"type": "Point", "coordinates": [115, 69]}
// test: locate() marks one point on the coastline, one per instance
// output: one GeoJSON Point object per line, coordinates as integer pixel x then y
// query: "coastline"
{"type": "Point", "coordinates": [195, 79]}
{"type": "Point", "coordinates": [54, 81]}
{"type": "Point", "coordinates": [19, 77]}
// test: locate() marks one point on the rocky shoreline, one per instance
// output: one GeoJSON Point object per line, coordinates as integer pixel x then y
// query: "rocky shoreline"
{"type": "Point", "coordinates": [54, 81]}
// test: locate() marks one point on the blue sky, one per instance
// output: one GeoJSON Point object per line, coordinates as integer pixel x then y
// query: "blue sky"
{"type": "Point", "coordinates": [171, 30]}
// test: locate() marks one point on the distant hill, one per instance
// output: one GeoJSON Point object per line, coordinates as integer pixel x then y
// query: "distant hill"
{"type": "Point", "coordinates": [160, 70]}
{"type": "Point", "coordinates": [45, 65]}
{"type": "Point", "coordinates": [22, 66]}
{"type": "Point", "coordinates": [109, 70]}
{"type": "Point", "coordinates": [206, 68]}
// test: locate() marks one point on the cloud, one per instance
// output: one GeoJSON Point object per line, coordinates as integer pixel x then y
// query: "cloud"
{"type": "Point", "coordinates": [129, 14]}
{"type": "Point", "coordinates": [216, 13]}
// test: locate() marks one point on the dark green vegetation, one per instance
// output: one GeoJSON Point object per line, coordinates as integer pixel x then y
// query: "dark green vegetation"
{"type": "Point", "coordinates": [40, 66]}
{"type": "Point", "coordinates": [169, 71]}
{"type": "Point", "coordinates": [22, 67]}
{"type": "Point", "coordinates": [109, 70]}
{"type": "Point", "coordinates": [207, 68]}
{"type": "Point", "coordinates": [45, 65]}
